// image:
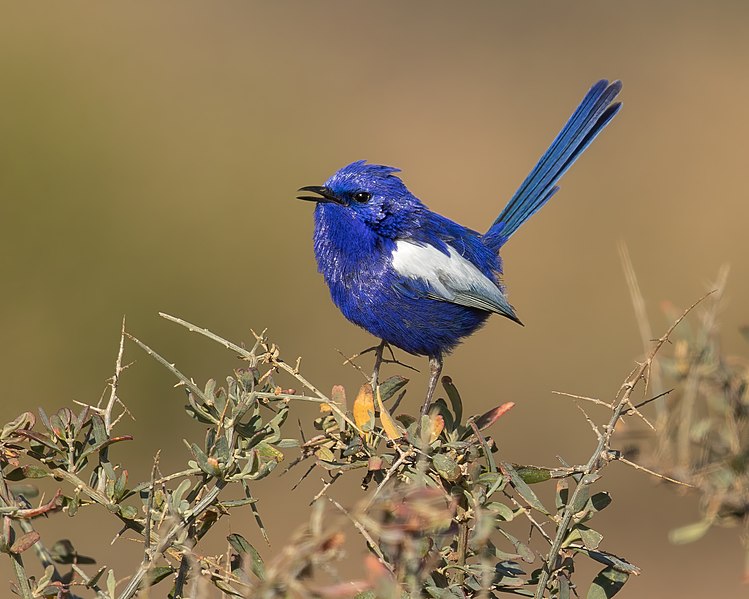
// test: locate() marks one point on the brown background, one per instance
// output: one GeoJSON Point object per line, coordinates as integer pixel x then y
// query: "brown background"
{"type": "Point", "coordinates": [149, 156]}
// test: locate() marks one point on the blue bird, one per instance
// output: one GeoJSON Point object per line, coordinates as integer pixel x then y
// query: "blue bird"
{"type": "Point", "coordinates": [416, 279]}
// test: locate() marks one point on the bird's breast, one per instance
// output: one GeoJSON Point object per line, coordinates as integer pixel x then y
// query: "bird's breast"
{"type": "Point", "coordinates": [348, 252]}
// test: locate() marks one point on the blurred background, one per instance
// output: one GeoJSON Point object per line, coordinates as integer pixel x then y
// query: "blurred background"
{"type": "Point", "coordinates": [150, 154]}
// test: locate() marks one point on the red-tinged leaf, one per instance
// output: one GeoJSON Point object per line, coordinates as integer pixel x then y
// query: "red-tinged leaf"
{"type": "Point", "coordinates": [490, 417]}
{"type": "Point", "coordinates": [338, 395]}
{"type": "Point", "coordinates": [106, 443]}
{"type": "Point", "coordinates": [343, 590]}
{"type": "Point", "coordinates": [51, 505]}
{"type": "Point", "coordinates": [25, 542]}
{"type": "Point", "coordinates": [376, 570]}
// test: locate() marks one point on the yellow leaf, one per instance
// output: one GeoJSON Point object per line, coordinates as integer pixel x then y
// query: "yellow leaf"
{"type": "Point", "coordinates": [390, 426]}
{"type": "Point", "coordinates": [364, 408]}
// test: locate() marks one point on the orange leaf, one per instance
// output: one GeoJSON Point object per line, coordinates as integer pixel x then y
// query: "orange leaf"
{"type": "Point", "coordinates": [437, 424]}
{"type": "Point", "coordinates": [364, 408]}
{"type": "Point", "coordinates": [490, 417]}
{"type": "Point", "coordinates": [390, 426]}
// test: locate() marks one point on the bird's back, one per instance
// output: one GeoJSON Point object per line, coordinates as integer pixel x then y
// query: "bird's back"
{"type": "Point", "coordinates": [398, 302]}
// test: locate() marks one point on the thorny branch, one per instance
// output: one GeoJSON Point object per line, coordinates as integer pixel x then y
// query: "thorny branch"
{"type": "Point", "coordinates": [603, 453]}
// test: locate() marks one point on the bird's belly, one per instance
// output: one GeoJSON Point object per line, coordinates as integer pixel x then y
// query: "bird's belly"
{"type": "Point", "coordinates": [422, 326]}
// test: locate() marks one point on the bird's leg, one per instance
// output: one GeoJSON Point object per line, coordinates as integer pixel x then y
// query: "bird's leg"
{"type": "Point", "coordinates": [435, 369]}
{"type": "Point", "coordinates": [378, 362]}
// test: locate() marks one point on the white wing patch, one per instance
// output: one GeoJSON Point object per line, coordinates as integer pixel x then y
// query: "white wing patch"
{"type": "Point", "coordinates": [451, 278]}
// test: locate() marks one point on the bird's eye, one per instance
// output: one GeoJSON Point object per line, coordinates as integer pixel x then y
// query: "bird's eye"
{"type": "Point", "coordinates": [362, 196]}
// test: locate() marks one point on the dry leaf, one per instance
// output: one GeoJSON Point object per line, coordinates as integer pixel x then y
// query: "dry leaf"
{"type": "Point", "coordinates": [390, 426]}
{"type": "Point", "coordinates": [436, 425]}
{"type": "Point", "coordinates": [364, 408]}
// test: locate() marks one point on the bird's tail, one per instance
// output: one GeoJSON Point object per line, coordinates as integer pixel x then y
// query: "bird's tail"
{"type": "Point", "coordinates": [588, 120]}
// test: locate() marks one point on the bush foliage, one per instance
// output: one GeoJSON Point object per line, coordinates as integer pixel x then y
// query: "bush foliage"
{"type": "Point", "coordinates": [439, 512]}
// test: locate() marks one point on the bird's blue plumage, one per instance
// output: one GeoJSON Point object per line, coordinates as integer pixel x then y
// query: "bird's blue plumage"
{"type": "Point", "coordinates": [414, 278]}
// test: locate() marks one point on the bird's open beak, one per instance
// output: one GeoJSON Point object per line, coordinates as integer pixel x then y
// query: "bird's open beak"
{"type": "Point", "coordinates": [323, 194]}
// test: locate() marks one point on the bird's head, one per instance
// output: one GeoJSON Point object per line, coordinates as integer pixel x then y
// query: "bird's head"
{"type": "Point", "coordinates": [371, 194]}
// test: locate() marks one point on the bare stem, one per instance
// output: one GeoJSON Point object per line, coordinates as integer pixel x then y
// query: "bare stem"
{"type": "Point", "coordinates": [602, 453]}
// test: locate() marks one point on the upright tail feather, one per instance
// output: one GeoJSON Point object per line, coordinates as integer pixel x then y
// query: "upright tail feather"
{"type": "Point", "coordinates": [588, 120]}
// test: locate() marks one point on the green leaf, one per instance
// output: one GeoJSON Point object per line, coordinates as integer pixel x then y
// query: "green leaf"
{"type": "Point", "coordinates": [277, 421]}
{"type": "Point", "coordinates": [599, 501]}
{"type": "Point", "coordinates": [42, 439]}
{"type": "Point", "coordinates": [580, 497]}
{"type": "Point", "coordinates": [609, 559]}
{"type": "Point", "coordinates": [502, 510]}
{"type": "Point", "coordinates": [607, 584]}
{"type": "Point", "coordinates": [591, 538]}
{"type": "Point", "coordinates": [46, 578]}
{"type": "Point", "coordinates": [221, 449]}
{"type": "Point", "coordinates": [128, 512]}
{"type": "Point", "coordinates": [391, 386]}
{"type": "Point", "coordinates": [446, 467]}
{"type": "Point", "coordinates": [227, 588]}
{"type": "Point", "coordinates": [286, 443]}
{"type": "Point", "coordinates": [203, 462]}
{"type": "Point", "coordinates": [438, 593]}
{"type": "Point", "coordinates": [95, 578]}
{"type": "Point", "coordinates": [533, 474]}
{"type": "Point", "coordinates": [98, 428]}
{"type": "Point", "coordinates": [111, 583]}
{"type": "Point", "coordinates": [522, 488]}
{"type": "Point", "coordinates": [455, 401]}
{"type": "Point", "coordinates": [525, 552]}
{"type": "Point", "coordinates": [562, 494]}
{"type": "Point", "coordinates": [325, 454]}
{"type": "Point", "coordinates": [24, 472]}
{"type": "Point", "coordinates": [268, 452]}
{"type": "Point", "coordinates": [119, 486]}
{"type": "Point", "coordinates": [689, 533]}
{"type": "Point", "coordinates": [159, 573]}
{"type": "Point", "coordinates": [248, 552]}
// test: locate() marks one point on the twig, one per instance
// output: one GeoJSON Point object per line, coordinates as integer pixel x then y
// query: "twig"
{"type": "Point", "coordinates": [643, 323]}
{"type": "Point", "coordinates": [404, 455]}
{"type": "Point", "coordinates": [149, 509]}
{"type": "Point", "coordinates": [166, 542]}
{"type": "Point", "coordinates": [350, 360]}
{"type": "Point", "coordinates": [87, 581]}
{"type": "Point", "coordinates": [598, 402]}
{"type": "Point", "coordinates": [270, 356]}
{"type": "Point", "coordinates": [683, 431]}
{"type": "Point", "coordinates": [624, 460]}
{"type": "Point", "coordinates": [115, 381]}
{"type": "Point", "coordinates": [326, 486]}
{"type": "Point", "coordinates": [364, 532]}
{"type": "Point", "coordinates": [598, 459]}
